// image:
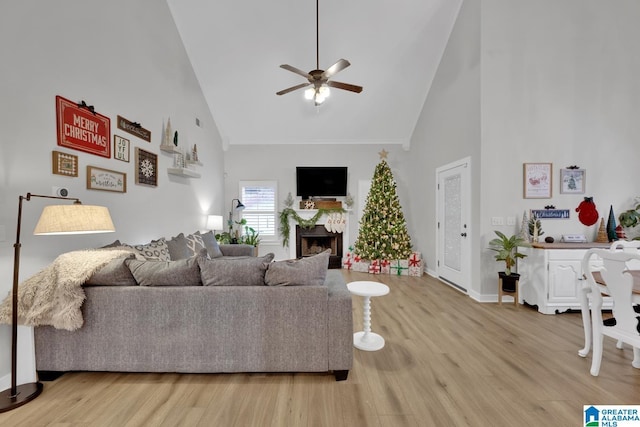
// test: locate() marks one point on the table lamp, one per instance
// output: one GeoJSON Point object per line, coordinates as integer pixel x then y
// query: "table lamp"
{"type": "Point", "coordinates": [55, 219]}
{"type": "Point", "coordinates": [214, 222]}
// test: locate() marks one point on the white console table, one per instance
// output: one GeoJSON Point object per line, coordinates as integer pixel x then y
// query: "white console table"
{"type": "Point", "coordinates": [551, 275]}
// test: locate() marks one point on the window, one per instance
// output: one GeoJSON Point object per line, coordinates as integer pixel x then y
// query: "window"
{"type": "Point", "coordinates": [259, 199]}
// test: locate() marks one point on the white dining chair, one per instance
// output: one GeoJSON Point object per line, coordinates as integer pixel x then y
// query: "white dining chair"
{"type": "Point", "coordinates": [618, 284]}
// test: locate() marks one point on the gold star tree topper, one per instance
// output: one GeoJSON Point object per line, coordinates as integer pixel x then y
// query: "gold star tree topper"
{"type": "Point", "coordinates": [383, 154]}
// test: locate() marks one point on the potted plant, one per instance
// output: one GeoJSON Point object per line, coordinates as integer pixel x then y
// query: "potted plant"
{"type": "Point", "coordinates": [506, 249]}
{"type": "Point", "coordinates": [250, 236]}
{"type": "Point", "coordinates": [630, 219]}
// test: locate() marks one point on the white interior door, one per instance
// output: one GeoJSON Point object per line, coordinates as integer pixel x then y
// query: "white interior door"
{"type": "Point", "coordinates": [454, 237]}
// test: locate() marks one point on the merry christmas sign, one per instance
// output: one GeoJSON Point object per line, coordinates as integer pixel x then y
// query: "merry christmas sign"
{"type": "Point", "coordinates": [82, 129]}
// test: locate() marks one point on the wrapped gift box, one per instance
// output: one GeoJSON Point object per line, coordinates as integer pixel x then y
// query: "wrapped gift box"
{"type": "Point", "coordinates": [361, 266]}
{"type": "Point", "coordinates": [374, 267]}
{"type": "Point", "coordinates": [347, 263]}
{"type": "Point", "coordinates": [415, 271]}
{"type": "Point", "coordinates": [400, 267]}
{"type": "Point", "coordinates": [415, 259]}
{"type": "Point", "coordinates": [385, 266]}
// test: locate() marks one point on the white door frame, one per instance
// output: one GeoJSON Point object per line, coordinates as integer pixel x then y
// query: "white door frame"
{"type": "Point", "coordinates": [465, 269]}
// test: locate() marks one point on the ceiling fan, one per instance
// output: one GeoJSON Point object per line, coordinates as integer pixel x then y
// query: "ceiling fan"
{"type": "Point", "coordinates": [318, 80]}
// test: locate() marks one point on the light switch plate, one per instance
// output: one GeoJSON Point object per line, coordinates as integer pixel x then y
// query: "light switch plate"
{"type": "Point", "coordinates": [497, 220]}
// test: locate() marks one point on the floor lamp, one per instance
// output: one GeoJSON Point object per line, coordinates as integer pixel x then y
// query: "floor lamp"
{"type": "Point", "coordinates": [55, 219]}
{"type": "Point", "coordinates": [238, 207]}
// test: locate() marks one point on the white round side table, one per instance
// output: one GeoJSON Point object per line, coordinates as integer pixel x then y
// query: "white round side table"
{"type": "Point", "coordinates": [367, 340]}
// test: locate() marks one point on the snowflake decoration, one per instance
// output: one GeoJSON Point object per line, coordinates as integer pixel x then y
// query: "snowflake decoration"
{"type": "Point", "coordinates": [146, 167]}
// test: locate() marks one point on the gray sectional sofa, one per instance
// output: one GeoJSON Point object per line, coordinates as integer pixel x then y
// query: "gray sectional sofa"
{"type": "Point", "coordinates": [215, 327]}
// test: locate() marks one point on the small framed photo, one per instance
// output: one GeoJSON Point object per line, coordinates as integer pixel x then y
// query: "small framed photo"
{"type": "Point", "coordinates": [537, 180]}
{"type": "Point", "coordinates": [64, 164]}
{"type": "Point", "coordinates": [146, 168]}
{"type": "Point", "coordinates": [572, 181]}
{"type": "Point", "coordinates": [106, 180]}
{"type": "Point", "coordinates": [120, 148]}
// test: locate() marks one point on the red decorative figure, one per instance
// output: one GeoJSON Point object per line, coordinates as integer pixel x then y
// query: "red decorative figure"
{"type": "Point", "coordinates": [587, 213]}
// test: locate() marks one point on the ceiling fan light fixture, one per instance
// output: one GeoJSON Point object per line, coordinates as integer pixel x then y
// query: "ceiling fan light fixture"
{"type": "Point", "coordinates": [324, 91]}
{"type": "Point", "coordinates": [318, 78]}
{"type": "Point", "coordinates": [309, 93]}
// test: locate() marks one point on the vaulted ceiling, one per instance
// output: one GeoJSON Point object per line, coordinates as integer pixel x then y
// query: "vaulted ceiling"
{"type": "Point", "coordinates": [236, 48]}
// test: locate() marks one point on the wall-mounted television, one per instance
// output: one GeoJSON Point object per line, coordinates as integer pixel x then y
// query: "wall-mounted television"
{"type": "Point", "coordinates": [321, 181]}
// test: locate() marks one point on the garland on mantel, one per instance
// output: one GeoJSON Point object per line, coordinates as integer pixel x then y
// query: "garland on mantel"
{"type": "Point", "coordinates": [304, 223]}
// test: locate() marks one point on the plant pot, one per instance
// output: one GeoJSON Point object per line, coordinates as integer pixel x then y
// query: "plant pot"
{"type": "Point", "coordinates": [509, 281]}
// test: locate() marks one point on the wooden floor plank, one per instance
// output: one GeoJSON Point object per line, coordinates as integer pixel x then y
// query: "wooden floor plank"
{"type": "Point", "coordinates": [448, 360]}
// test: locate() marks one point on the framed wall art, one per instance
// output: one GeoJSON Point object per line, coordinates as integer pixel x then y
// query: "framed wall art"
{"type": "Point", "coordinates": [64, 164]}
{"type": "Point", "coordinates": [106, 180]}
{"type": "Point", "coordinates": [572, 181]}
{"type": "Point", "coordinates": [80, 127]}
{"type": "Point", "coordinates": [537, 180]}
{"type": "Point", "coordinates": [146, 168]}
{"type": "Point", "coordinates": [120, 148]}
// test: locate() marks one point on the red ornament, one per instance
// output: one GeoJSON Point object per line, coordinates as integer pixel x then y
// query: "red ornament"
{"type": "Point", "coordinates": [587, 213]}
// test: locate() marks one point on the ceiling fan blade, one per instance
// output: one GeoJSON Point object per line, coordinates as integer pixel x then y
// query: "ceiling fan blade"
{"type": "Point", "coordinates": [338, 66]}
{"type": "Point", "coordinates": [345, 86]}
{"type": "Point", "coordinates": [296, 70]}
{"type": "Point", "coordinates": [292, 88]}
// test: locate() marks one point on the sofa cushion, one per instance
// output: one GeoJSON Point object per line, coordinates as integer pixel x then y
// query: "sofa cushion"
{"type": "Point", "coordinates": [183, 272]}
{"type": "Point", "coordinates": [306, 271]}
{"type": "Point", "coordinates": [155, 250]}
{"type": "Point", "coordinates": [210, 242]}
{"type": "Point", "coordinates": [115, 273]}
{"type": "Point", "coordinates": [194, 244]}
{"type": "Point", "coordinates": [234, 271]}
{"type": "Point", "coordinates": [178, 248]}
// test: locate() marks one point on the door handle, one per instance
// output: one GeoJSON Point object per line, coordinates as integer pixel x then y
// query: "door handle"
{"type": "Point", "coordinates": [463, 234]}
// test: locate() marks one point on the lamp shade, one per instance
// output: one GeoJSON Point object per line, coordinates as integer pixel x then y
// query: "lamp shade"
{"type": "Point", "coordinates": [74, 219]}
{"type": "Point", "coordinates": [239, 206]}
{"type": "Point", "coordinates": [214, 222]}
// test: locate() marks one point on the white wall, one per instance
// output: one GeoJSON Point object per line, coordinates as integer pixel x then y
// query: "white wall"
{"type": "Point", "coordinates": [448, 130]}
{"type": "Point", "coordinates": [559, 84]}
{"type": "Point", "coordinates": [124, 58]}
{"type": "Point", "coordinates": [278, 162]}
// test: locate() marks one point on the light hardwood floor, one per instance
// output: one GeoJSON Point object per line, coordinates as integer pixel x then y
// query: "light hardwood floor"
{"type": "Point", "coordinates": [448, 361]}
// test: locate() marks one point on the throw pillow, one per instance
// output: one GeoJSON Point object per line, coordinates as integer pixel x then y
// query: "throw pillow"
{"type": "Point", "coordinates": [211, 244]}
{"type": "Point", "coordinates": [240, 271]}
{"type": "Point", "coordinates": [112, 245]}
{"type": "Point", "coordinates": [306, 271]}
{"type": "Point", "coordinates": [115, 273]}
{"type": "Point", "coordinates": [178, 248]}
{"type": "Point", "coordinates": [194, 244]}
{"type": "Point", "coordinates": [184, 272]}
{"type": "Point", "coordinates": [155, 250]}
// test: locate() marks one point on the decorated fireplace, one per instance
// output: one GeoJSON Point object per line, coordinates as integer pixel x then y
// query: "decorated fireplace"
{"type": "Point", "coordinates": [314, 240]}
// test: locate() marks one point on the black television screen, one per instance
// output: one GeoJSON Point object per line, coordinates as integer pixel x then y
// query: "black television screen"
{"type": "Point", "coordinates": [321, 181]}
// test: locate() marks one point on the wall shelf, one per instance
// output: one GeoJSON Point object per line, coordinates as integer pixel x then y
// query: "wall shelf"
{"type": "Point", "coordinates": [170, 149]}
{"type": "Point", "coordinates": [183, 172]}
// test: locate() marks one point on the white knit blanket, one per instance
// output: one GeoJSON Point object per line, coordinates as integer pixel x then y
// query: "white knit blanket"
{"type": "Point", "coordinates": [54, 295]}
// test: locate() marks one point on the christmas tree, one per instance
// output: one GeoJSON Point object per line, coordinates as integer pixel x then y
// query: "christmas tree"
{"type": "Point", "coordinates": [383, 230]}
